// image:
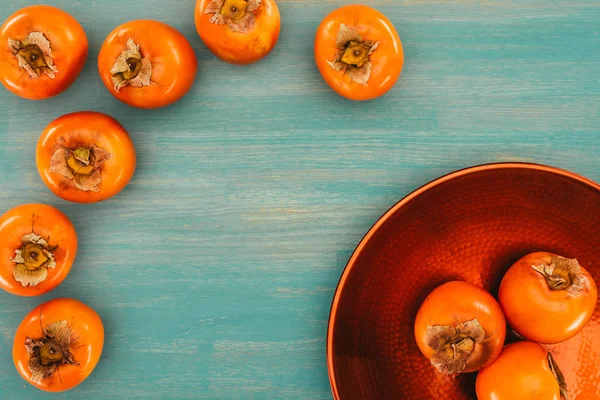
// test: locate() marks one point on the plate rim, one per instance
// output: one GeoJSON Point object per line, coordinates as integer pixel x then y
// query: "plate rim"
{"type": "Point", "coordinates": [399, 204]}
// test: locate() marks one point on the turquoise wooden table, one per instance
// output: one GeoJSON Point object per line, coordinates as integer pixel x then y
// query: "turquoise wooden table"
{"type": "Point", "coordinates": [214, 270]}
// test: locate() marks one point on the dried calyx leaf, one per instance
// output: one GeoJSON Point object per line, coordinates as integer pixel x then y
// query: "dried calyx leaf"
{"type": "Point", "coordinates": [563, 274]}
{"type": "Point", "coordinates": [49, 352]}
{"type": "Point", "coordinates": [131, 68]}
{"type": "Point", "coordinates": [34, 54]}
{"type": "Point", "coordinates": [454, 345]}
{"type": "Point", "coordinates": [82, 165]}
{"type": "Point", "coordinates": [32, 260]}
{"type": "Point", "coordinates": [354, 54]}
{"type": "Point", "coordinates": [560, 378]}
{"type": "Point", "coordinates": [237, 14]}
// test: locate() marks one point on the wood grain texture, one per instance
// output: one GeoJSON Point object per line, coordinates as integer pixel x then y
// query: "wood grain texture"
{"type": "Point", "coordinates": [215, 268]}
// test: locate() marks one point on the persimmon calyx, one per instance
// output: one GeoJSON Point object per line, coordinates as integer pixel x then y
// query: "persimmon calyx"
{"type": "Point", "coordinates": [454, 345]}
{"type": "Point", "coordinates": [238, 15]}
{"type": "Point", "coordinates": [50, 351]}
{"type": "Point", "coordinates": [131, 68]}
{"type": "Point", "coordinates": [353, 56]}
{"type": "Point", "coordinates": [563, 274]}
{"type": "Point", "coordinates": [82, 165]}
{"type": "Point", "coordinates": [32, 260]}
{"type": "Point", "coordinates": [34, 54]}
{"type": "Point", "coordinates": [560, 378]}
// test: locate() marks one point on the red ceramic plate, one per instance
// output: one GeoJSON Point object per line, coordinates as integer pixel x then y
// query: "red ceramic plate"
{"type": "Point", "coordinates": [470, 225]}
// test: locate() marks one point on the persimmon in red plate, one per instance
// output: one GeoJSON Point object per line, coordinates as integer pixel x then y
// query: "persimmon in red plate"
{"type": "Point", "coordinates": [38, 245]}
{"type": "Point", "coordinates": [42, 52]}
{"type": "Point", "coordinates": [523, 371]}
{"type": "Point", "coordinates": [85, 157]}
{"type": "Point", "coordinates": [547, 298]}
{"type": "Point", "coordinates": [58, 344]}
{"type": "Point", "coordinates": [238, 31]}
{"type": "Point", "coordinates": [147, 64]}
{"type": "Point", "coordinates": [471, 226]}
{"type": "Point", "coordinates": [358, 52]}
{"type": "Point", "coordinates": [460, 328]}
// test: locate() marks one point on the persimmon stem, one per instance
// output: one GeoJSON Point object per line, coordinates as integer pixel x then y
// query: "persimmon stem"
{"type": "Point", "coordinates": [33, 256]}
{"type": "Point", "coordinates": [34, 54]}
{"type": "Point", "coordinates": [356, 54]}
{"type": "Point", "coordinates": [454, 345]}
{"type": "Point", "coordinates": [562, 274]}
{"type": "Point", "coordinates": [49, 352]}
{"type": "Point", "coordinates": [234, 9]}
{"type": "Point", "coordinates": [353, 55]}
{"type": "Point", "coordinates": [238, 15]}
{"type": "Point", "coordinates": [32, 260]}
{"type": "Point", "coordinates": [131, 68]}
{"type": "Point", "coordinates": [560, 378]}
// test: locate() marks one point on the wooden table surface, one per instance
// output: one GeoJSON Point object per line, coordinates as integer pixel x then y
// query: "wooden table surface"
{"type": "Point", "coordinates": [214, 270]}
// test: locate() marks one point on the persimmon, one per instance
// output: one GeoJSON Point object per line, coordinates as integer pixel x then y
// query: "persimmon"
{"type": "Point", "coordinates": [238, 31]}
{"type": "Point", "coordinates": [522, 371]}
{"type": "Point", "coordinates": [547, 298]}
{"type": "Point", "coordinates": [42, 52]}
{"type": "Point", "coordinates": [147, 64]}
{"type": "Point", "coordinates": [358, 52]}
{"type": "Point", "coordinates": [38, 245]}
{"type": "Point", "coordinates": [460, 328]}
{"type": "Point", "coordinates": [58, 344]}
{"type": "Point", "coordinates": [85, 157]}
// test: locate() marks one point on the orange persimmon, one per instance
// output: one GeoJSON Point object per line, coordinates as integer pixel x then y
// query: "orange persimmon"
{"type": "Point", "coordinates": [147, 64]}
{"type": "Point", "coordinates": [523, 371]}
{"type": "Point", "coordinates": [58, 344]}
{"type": "Point", "coordinates": [38, 245]}
{"type": "Point", "coordinates": [85, 157]}
{"type": "Point", "coordinates": [42, 51]}
{"type": "Point", "coordinates": [238, 31]}
{"type": "Point", "coordinates": [547, 298]}
{"type": "Point", "coordinates": [460, 328]}
{"type": "Point", "coordinates": [358, 52]}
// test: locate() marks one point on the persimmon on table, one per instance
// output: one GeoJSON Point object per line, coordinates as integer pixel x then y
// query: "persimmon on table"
{"type": "Point", "coordinates": [238, 31]}
{"type": "Point", "coordinates": [58, 344]}
{"type": "Point", "coordinates": [42, 52]}
{"type": "Point", "coordinates": [358, 52]}
{"type": "Point", "coordinates": [85, 157]}
{"type": "Point", "coordinates": [147, 64]}
{"type": "Point", "coordinates": [38, 245]}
